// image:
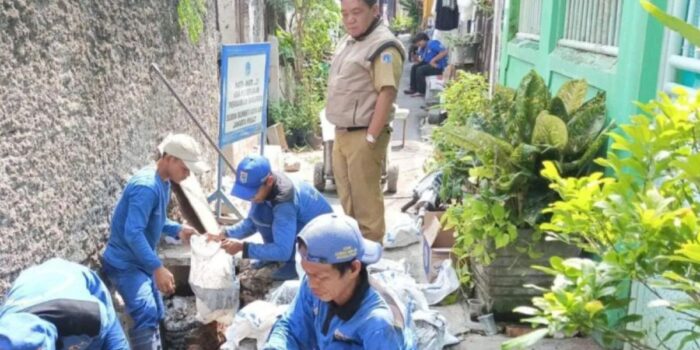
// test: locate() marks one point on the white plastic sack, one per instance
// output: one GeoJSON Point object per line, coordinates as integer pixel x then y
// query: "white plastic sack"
{"type": "Point", "coordinates": [213, 281]}
{"type": "Point", "coordinates": [285, 293]}
{"type": "Point", "coordinates": [404, 233]}
{"type": "Point", "coordinates": [445, 283]}
{"type": "Point", "coordinates": [430, 328]}
{"type": "Point", "coordinates": [388, 265]}
{"type": "Point", "coordinates": [254, 321]}
{"type": "Point", "coordinates": [404, 287]}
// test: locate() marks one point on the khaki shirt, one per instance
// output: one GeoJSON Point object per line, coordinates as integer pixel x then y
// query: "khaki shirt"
{"type": "Point", "coordinates": [387, 69]}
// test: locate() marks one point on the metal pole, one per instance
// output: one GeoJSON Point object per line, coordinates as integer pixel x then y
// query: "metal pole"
{"type": "Point", "coordinates": [189, 113]}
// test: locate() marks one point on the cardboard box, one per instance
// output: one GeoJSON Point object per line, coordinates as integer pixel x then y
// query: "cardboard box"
{"type": "Point", "coordinates": [437, 244]}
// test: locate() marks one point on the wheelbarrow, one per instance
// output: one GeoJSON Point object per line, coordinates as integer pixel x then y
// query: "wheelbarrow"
{"type": "Point", "coordinates": [323, 171]}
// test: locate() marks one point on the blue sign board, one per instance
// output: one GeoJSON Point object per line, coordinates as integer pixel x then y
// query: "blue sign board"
{"type": "Point", "coordinates": [245, 74]}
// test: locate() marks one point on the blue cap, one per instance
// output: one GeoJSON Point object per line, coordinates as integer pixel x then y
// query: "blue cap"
{"type": "Point", "coordinates": [25, 331]}
{"type": "Point", "coordinates": [336, 238]}
{"type": "Point", "coordinates": [250, 175]}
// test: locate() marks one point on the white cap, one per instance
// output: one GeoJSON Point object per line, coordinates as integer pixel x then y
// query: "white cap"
{"type": "Point", "coordinates": [185, 148]}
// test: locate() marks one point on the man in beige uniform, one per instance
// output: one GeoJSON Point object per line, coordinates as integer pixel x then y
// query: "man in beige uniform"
{"type": "Point", "coordinates": [362, 85]}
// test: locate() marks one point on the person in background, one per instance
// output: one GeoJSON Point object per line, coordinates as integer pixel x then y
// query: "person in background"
{"type": "Point", "coordinates": [280, 208]}
{"type": "Point", "coordinates": [130, 261]}
{"type": "Point", "coordinates": [362, 87]}
{"type": "Point", "coordinates": [336, 307]}
{"type": "Point", "coordinates": [431, 59]}
{"type": "Point", "coordinates": [59, 305]}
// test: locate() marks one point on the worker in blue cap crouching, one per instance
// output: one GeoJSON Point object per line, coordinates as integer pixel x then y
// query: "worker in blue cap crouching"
{"type": "Point", "coordinates": [336, 307]}
{"type": "Point", "coordinates": [280, 208]}
{"type": "Point", "coordinates": [59, 305]}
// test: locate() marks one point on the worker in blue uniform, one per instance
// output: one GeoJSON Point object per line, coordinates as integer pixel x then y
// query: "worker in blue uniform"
{"type": "Point", "coordinates": [130, 260]}
{"type": "Point", "coordinates": [336, 307]}
{"type": "Point", "coordinates": [280, 208]}
{"type": "Point", "coordinates": [59, 305]}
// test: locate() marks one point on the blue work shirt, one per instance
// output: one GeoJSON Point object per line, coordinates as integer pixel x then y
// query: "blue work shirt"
{"type": "Point", "coordinates": [287, 209]}
{"type": "Point", "coordinates": [364, 322]}
{"type": "Point", "coordinates": [432, 49]}
{"type": "Point", "coordinates": [138, 220]}
{"type": "Point", "coordinates": [65, 304]}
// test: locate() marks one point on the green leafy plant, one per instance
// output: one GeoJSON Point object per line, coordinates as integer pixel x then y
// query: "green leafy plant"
{"type": "Point", "coordinates": [414, 11]}
{"type": "Point", "coordinates": [483, 225]}
{"type": "Point", "coordinates": [191, 15]}
{"type": "Point", "coordinates": [511, 143]}
{"type": "Point", "coordinates": [401, 24]}
{"type": "Point", "coordinates": [491, 150]}
{"type": "Point", "coordinates": [643, 221]}
{"type": "Point", "coordinates": [465, 96]}
{"type": "Point", "coordinates": [453, 40]}
{"type": "Point", "coordinates": [306, 46]}
{"type": "Point", "coordinates": [582, 292]}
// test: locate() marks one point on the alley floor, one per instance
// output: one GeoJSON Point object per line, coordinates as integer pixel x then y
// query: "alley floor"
{"type": "Point", "coordinates": [410, 160]}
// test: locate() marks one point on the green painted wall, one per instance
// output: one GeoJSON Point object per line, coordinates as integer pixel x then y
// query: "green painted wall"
{"type": "Point", "coordinates": [630, 77]}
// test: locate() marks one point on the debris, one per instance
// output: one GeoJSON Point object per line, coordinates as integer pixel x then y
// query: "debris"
{"type": "Point", "coordinates": [514, 331]}
{"type": "Point", "coordinates": [445, 283]}
{"type": "Point", "coordinates": [179, 321]}
{"type": "Point", "coordinates": [285, 293]}
{"type": "Point", "coordinates": [276, 136]}
{"type": "Point", "coordinates": [291, 163]}
{"type": "Point", "coordinates": [404, 233]}
{"type": "Point", "coordinates": [431, 328]}
{"type": "Point", "coordinates": [255, 283]}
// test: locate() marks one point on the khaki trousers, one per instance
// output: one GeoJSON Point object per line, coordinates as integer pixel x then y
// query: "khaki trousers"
{"type": "Point", "coordinates": [357, 169]}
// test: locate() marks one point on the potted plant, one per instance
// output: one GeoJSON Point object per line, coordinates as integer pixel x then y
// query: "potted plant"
{"type": "Point", "coordinates": [507, 143]}
{"type": "Point", "coordinates": [463, 47]}
{"type": "Point", "coordinates": [643, 222]}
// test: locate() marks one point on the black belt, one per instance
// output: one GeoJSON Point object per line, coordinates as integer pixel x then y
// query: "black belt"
{"type": "Point", "coordinates": [351, 128]}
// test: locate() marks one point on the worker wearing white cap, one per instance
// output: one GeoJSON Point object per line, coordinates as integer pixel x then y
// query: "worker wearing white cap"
{"type": "Point", "coordinates": [130, 260]}
{"type": "Point", "coordinates": [336, 307]}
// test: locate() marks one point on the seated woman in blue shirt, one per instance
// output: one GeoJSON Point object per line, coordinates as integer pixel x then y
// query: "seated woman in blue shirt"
{"type": "Point", "coordinates": [431, 60]}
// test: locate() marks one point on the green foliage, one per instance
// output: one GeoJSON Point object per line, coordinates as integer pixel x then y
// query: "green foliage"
{"type": "Point", "coordinates": [293, 116]}
{"type": "Point", "coordinates": [414, 11]}
{"type": "Point", "coordinates": [191, 15]}
{"type": "Point", "coordinates": [643, 221]}
{"type": "Point", "coordinates": [306, 45]}
{"type": "Point", "coordinates": [465, 96]}
{"type": "Point", "coordinates": [550, 131]}
{"type": "Point", "coordinates": [582, 290]}
{"type": "Point", "coordinates": [491, 151]}
{"type": "Point", "coordinates": [482, 224]}
{"type": "Point", "coordinates": [531, 98]}
{"type": "Point", "coordinates": [687, 30]}
{"type": "Point", "coordinates": [402, 24]}
{"type": "Point", "coordinates": [524, 121]}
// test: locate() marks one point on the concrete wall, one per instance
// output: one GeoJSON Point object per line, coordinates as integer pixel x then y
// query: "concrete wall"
{"type": "Point", "coordinates": [80, 112]}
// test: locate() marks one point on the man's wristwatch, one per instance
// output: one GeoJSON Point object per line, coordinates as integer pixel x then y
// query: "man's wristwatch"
{"type": "Point", "coordinates": [370, 138]}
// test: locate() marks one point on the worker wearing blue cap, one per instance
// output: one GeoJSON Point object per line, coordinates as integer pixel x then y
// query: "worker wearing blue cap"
{"type": "Point", "coordinates": [59, 305]}
{"type": "Point", "coordinates": [336, 308]}
{"type": "Point", "coordinates": [280, 208]}
{"type": "Point", "coordinates": [140, 217]}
